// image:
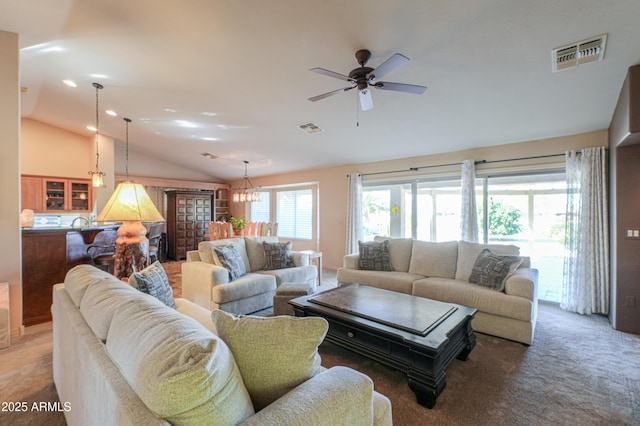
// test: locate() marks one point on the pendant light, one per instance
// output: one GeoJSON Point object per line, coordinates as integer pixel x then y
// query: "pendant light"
{"type": "Point", "coordinates": [96, 177]}
{"type": "Point", "coordinates": [245, 192]}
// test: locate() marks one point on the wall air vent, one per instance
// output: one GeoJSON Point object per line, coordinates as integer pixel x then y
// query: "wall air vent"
{"type": "Point", "coordinates": [579, 53]}
{"type": "Point", "coordinates": [309, 128]}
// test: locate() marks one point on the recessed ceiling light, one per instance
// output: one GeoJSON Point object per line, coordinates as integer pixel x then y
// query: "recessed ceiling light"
{"type": "Point", "coordinates": [185, 123]}
{"type": "Point", "coordinates": [170, 110]}
{"type": "Point", "coordinates": [111, 113]}
{"type": "Point", "coordinates": [209, 138]}
{"type": "Point", "coordinates": [70, 83]}
{"type": "Point", "coordinates": [93, 129]}
{"type": "Point", "coordinates": [210, 114]}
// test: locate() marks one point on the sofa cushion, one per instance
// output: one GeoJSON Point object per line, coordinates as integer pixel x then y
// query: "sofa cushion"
{"type": "Point", "coordinates": [255, 251]}
{"type": "Point", "coordinates": [229, 257]}
{"type": "Point", "coordinates": [274, 354]}
{"type": "Point", "coordinates": [103, 298]}
{"type": "Point", "coordinates": [153, 280]}
{"type": "Point", "coordinates": [434, 259]}
{"type": "Point", "coordinates": [182, 372]}
{"type": "Point", "coordinates": [296, 274]}
{"type": "Point", "coordinates": [397, 281]}
{"type": "Point", "coordinates": [80, 277]}
{"type": "Point", "coordinates": [400, 251]}
{"type": "Point", "coordinates": [491, 269]}
{"type": "Point", "coordinates": [475, 296]}
{"type": "Point", "coordinates": [374, 256]}
{"type": "Point", "coordinates": [469, 252]}
{"type": "Point", "coordinates": [205, 250]}
{"type": "Point", "coordinates": [277, 255]}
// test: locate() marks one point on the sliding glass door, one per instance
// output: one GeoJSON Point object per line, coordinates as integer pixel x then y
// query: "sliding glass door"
{"type": "Point", "coordinates": [527, 210]}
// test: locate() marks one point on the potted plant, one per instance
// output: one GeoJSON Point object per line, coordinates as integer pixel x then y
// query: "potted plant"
{"type": "Point", "coordinates": [238, 224]}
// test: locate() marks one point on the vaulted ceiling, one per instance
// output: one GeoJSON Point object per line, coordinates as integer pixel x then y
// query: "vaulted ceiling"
{"type": "Point", "coordinates": [231, 78]}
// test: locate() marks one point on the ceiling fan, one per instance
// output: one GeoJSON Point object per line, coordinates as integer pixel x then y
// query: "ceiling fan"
{"type": "Point", "coordinates": [364, 77]}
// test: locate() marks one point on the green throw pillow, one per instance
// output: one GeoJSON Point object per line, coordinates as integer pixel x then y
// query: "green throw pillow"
{"type": "Point", "coordinates": [374, 256]}
{"type": "Point", "coordinates": [154, 281]}
{"type": "Point", "coordinates": [492, 269]}
{"type": "Point", "coordinates": [274, 354]}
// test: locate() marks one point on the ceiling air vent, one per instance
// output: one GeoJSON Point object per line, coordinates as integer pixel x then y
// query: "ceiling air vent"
{"type": "Point", "coordinates": [209, 155]}
{"type": "Point", "coordinates": [579, 53]}
{"type": "Point", "coordinates": [309, 128]}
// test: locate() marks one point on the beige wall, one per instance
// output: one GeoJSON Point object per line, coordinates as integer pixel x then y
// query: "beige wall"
{"type": "Point", "coordinates": [10, 249]}
{"type": "Point", "coordinates": [332, 182]}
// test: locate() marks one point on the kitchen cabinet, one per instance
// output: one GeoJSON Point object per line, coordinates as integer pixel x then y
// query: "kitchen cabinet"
{"type": "Point", "coordinates": [188, 217]}
{"type": "Point", "coordinates": [56, 194]}
{"type": "Point", "coordinates": [31, 189]}
{"type": "Point", "coordinates": [67, 195]}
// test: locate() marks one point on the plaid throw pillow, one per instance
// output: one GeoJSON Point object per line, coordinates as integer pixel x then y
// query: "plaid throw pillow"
{"type": "Point", "coordinates": [277, 255]}
{"type": "Point", "coordinates": [231, 259]}
{"type": "Point", "coordinates": [492, 269]}
{"type": "Point", "coordinates": [154, 281]}
{"type": "Point", "coordinates": [374, 256]}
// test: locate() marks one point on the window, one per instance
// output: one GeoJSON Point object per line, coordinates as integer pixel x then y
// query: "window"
{"type": "Point", "coordinates": [294, 213]}
{"type": "Point", "coordinates": [261, 210]}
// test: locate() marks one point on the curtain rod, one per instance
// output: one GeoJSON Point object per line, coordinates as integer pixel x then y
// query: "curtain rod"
{"type": "Point", "coordinates": [415, 169]}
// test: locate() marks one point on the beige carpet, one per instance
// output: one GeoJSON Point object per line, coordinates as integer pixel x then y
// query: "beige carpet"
{"type": "Point", "coordinates": [579, 371]}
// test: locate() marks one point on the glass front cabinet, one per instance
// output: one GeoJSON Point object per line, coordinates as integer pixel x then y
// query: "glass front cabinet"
{"type": "Point", "coordinates": [66, 195]}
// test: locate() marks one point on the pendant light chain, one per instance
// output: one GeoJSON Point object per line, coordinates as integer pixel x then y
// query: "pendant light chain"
{"type": "Point", "coordinates": [126, 162]}
{"type": "Point", "coordinates": [98, 86]}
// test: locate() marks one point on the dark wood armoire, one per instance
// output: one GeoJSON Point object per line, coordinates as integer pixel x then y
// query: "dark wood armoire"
{"type": "Point", "coordinates": [188, 217]}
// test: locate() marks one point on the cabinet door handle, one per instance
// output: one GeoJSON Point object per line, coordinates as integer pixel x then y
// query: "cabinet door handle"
{"type": "Point", "coordinates": [350, 334]}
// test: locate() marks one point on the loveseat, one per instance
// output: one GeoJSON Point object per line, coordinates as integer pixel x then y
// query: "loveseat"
{"type": "Point", "coordinates": [122, 357]}
{"type": "Point", "coordinates": [207, 282]}
{"type": "Point", "coordinates": [441, 271]}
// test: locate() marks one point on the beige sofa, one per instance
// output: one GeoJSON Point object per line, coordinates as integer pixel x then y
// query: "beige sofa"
{"type": "Point", "coordinates": [440, 271]}
{"type": "Point", "coordinates": [122, 357]}
{"type": "Point", "coordinates": [208, 284]}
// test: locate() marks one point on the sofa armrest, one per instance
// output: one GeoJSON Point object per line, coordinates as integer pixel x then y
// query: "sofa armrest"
{"type": "Point", "coordinates": [338, 395]}
{"type": "Point", "coordinates": [351, 261]}
{"type": "Point", "coordinates": [198, 279]}
{"type": "Point", "coordinates": [299, 258]}
{"type": "Point", "coordinates": [523, 283]}
{"type": "Point", "coordinates": [193, 256]}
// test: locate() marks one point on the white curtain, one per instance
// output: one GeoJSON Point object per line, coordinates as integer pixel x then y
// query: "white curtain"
{"type": "Point", "coordinates": [469, 213]}
{"type": "Point", "coordinates": [585, 287]}
{"type": "Point", "coordinates": [354, 212]}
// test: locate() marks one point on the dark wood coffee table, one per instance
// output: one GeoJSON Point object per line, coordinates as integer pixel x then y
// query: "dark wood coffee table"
{"type": "Point", "coordinates": [415, 335]}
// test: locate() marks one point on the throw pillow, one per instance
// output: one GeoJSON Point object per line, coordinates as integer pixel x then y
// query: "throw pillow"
{"type": "Point", "coordinates": [274, 354]}
{"type": "Point", "coordinates": [374, 256]}
{"type": "Point", "coordinates": [277, 255]}
{"type": "Point", "coordinates": [492, 269]}
{"type": "Point", "coordinates": [154, 281]}
{"type": "Point", "coordinates": [230, 258]}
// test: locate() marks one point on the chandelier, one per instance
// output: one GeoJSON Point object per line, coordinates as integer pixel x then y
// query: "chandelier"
{"type": "Point", "coordinates": [96, 177]}
{"type": "Point", "coordinates": [245, 192]}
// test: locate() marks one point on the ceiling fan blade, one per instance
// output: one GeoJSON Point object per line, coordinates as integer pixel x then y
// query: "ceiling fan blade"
{"type": "Point", "coordinates": [393, 63]}
{"type": "Point", "coordinates": [333, 92]}
{"type": "Point", "coordinates": [331, 74]}
{"type": "Point", "coordinates": [400, 87]}
{"type": "Point", "coordinates": [366, 100]}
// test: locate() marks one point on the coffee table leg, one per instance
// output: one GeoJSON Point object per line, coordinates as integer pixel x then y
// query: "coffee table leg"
{"type": "Point", "coordinates": [426, 389]}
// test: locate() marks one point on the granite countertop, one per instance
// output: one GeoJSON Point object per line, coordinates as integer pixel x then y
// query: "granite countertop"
{"type": "Point", "coordinates": [70, 229]}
